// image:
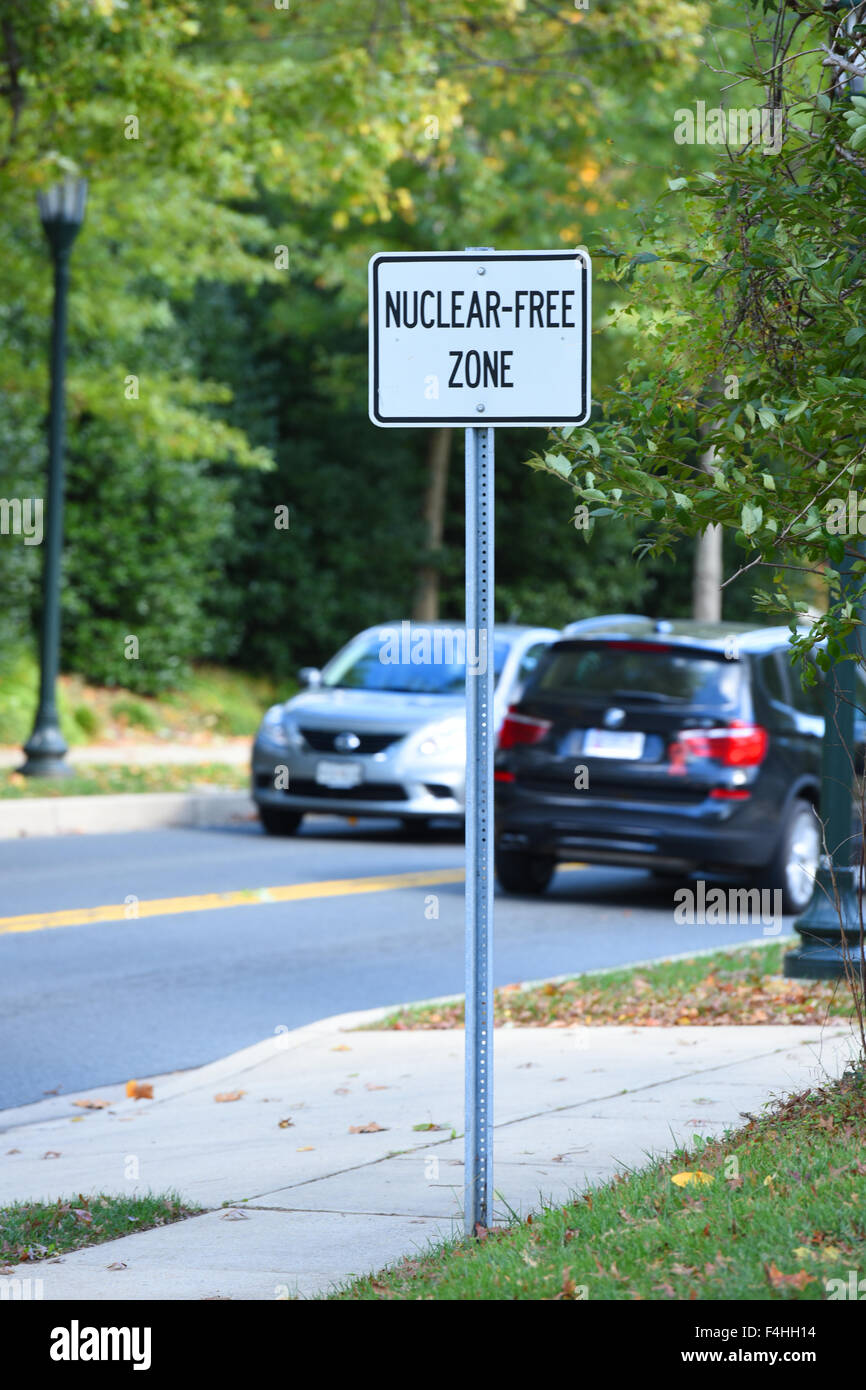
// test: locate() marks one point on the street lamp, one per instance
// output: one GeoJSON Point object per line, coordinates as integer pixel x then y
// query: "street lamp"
{"type": "Point", "coordinates": [830, 925]}
{"type": "Point", "coordinates": [61, 209]}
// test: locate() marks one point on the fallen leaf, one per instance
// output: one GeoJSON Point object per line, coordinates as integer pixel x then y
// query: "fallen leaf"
{"type": "Point", "coordinates": [83, 1214]}
{"type": "Point", "coordinates": [381, 1290]}
{"type": "Point", "coordinates": [55, 1092]}
{"type": "Point", "coordinates": [778, 1280]}
{"type": "Point", "coordinates": [569, 1287]}
{"type": "Point", "coordinates": [139, 1090]}
{"type": "Point", "coordinates": [234, 1215]}
{"type": "Point", "coordinates": [371, 1086]}
{"type": "Point", "coordinates": [229, 1095]}
{"type": "Point", "coordinates": [698, 1177]}
{"type": "Point", "coordinates": [92, 1104]}
{"type": "Point", "coordinates": [286, 1124]}
{"type": "Point", "coordinates": [429, 1126]}
{"type": "Point", "coordinates": [52, 1153]}
{"type": "Point", "coordinates": [341, 1047]}
{"type": "Point", "coordinates": [13, 1151]}
{"type": "Point", "coordinates": [118, 1264]}
{"type": "Point", "coordinates": [371, 1128]}
{"type": "Point", "coordinates": [342, 1091]}
{"type": "Point", "coordinates": [305, 1149]}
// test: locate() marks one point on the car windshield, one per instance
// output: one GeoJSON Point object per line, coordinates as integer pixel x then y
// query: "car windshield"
{"type": "Point", "coordinates": [639, 671]}
{"type": "Point", "coordinates": [418, 661]}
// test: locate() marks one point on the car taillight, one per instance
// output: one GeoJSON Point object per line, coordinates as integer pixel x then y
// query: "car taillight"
{"type": "Point", "coordinates": [738, 745]}
{"type": "Point", "coordinates": [519, 728]}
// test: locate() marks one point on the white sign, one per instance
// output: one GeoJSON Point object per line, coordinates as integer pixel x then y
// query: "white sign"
{"type": "Point", "coordinates": [480, 338]}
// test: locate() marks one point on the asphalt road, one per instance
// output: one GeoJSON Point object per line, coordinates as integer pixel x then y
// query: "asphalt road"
{"type": "Point", "coordinates": [90, 1003]}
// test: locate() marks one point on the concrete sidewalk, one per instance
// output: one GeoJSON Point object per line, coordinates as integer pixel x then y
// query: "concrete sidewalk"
{"type": "Point", "coordinates": [296, 1210]}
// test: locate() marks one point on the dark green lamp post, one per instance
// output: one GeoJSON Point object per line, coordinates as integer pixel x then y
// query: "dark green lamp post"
{"type": "Point", "coordinates": [62, 212]}
{"type": "Point", "coordinates": [834, 905]}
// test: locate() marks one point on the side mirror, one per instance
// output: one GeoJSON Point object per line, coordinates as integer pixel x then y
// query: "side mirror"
{"type": "Point", "coordinates": [310, 676]}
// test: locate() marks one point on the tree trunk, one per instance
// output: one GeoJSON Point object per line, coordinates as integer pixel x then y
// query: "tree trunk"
{"type": "Point", "coordinates": [707, 576]}
{"type": "Point", "coordinates": [707, 571]}
{"type": "Point", "coordinates": [426, 606]}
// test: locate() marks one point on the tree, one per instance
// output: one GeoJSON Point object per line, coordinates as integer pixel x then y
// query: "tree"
{"type": "Point", "coordinates": [264, 155]}
{"type": "Point", "coordinates": [763, 260]}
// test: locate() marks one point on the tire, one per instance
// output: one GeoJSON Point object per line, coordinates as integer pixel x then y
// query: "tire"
{"type": "Point", "coordinates": [278, 822]}
{"type": "Point", "coordinates": [523, 873]}
{"type": "Point", "coordinates": [795, 862]}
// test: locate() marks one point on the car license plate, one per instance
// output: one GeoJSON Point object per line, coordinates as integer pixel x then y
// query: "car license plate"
{"type": "Point", "coordinates": [607, 743]}
{"type": "Point", "coordinates": [339, 775]}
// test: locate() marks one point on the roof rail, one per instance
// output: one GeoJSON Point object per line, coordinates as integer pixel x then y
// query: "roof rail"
{"type": "Point", "coordinates": [603, 620]}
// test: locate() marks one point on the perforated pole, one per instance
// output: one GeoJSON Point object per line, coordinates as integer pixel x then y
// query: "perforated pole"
{"type": "Point", "coordinates": [478, 1203]}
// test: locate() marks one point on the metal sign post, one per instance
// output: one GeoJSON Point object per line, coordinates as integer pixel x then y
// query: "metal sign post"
{"type": "Point", "coordinates": [455, 339]}
{"type": "Point", "coordinates": [477, 1208]}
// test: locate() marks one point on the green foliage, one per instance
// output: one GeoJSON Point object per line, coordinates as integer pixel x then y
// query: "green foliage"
{"type": "Point", "coordinates": [212, 137]}
{"type": "Point", "coordinates": [743, 399]}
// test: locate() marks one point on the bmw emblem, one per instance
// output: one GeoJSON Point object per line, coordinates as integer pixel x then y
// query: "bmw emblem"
{"type": "Point", "coordinates": [613, 718]}
{"type": "Point", "coordinates": [347, 743]}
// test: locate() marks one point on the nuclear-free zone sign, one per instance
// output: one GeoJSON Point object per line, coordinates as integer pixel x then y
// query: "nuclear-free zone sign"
{"type": "Point", "coordinates": [480, 338]}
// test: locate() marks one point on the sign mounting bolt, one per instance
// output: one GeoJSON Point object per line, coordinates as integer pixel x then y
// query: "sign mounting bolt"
{"type": "Point", "coordinates": [480, 409]}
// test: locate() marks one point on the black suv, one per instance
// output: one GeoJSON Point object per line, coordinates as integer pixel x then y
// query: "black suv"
{"type": "Point", "coordinates": [673, 746]}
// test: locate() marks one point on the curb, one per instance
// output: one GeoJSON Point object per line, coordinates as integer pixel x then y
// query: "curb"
{"type": "Point", "coordinates": [78, 815]}
{"type": "Point", "coordinates": [169, 1085]}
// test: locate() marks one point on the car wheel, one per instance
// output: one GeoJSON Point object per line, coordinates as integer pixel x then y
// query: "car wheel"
{"type": "Point", "coordinates": [795, 863]}
{"type": "Point", "coordinates": [280, 822]}
{"type": "Point", "coordinates": [523, 873]}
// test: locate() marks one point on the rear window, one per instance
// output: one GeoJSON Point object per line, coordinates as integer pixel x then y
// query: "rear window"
{"type": "Point", "coordinates": [639, 671]}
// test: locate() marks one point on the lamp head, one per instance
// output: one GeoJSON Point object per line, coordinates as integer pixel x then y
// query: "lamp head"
{"type": "Point", "coordinates": [61, 209]}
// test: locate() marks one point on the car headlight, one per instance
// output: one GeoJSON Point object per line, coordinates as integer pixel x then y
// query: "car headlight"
{"type": "Point", "coordinates": [277, 730]}
{"type": "Point", "coordinates": [444, 740]}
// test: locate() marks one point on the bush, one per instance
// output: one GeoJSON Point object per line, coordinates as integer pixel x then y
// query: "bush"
{"type": "Point", "coordinates": [140, 533]}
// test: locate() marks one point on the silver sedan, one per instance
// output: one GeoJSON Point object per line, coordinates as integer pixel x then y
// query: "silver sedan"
{"type": "Point", "coordinates": [381, 730]}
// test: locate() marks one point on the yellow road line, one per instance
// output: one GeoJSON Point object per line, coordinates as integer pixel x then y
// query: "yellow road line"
{"type": "Point", "coordinates": [242, 897]}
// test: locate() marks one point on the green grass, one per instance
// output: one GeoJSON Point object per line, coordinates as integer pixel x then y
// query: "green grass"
{"type": "Point", "coordinates": [738, 986]}
{"type": "Point", "coordinates": [41, 1230]}
{"type": "Point", "coordinates": [214, 702]}
{"type": "Point", "coordinates": [784, 1211]}
{"type": "Point", "coordinates": [107, 779]}
{"type": "Point", "coordinates": [224, 701]}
